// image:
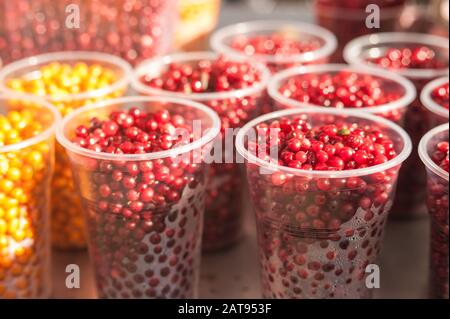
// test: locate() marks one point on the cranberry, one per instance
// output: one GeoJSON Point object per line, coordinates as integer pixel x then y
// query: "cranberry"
{"type": "Point", "coordinates": [420, 57]}
{"type": "Point", "coordinates": [437, 201]}
{"type": "Point", "coordinates": [342, 89]}
{"type": "Point", "coordinates": [216, 75]}
{"type": "Point", "coordinates": [134, 206]}
{"type": "Point", "coordinates": [441, 95]}
{"type": "Point", "coordinates": [312, 229]}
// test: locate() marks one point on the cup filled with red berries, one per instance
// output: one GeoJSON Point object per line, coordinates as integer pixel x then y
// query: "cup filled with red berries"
{"type": "Point", "coordinates": [349, 19]}
{"type": "Point", "coordinates": [435, 97]}
{"type": "Point", "coordinates": [27, 128]}
{"type": "Point", "coordinates": [433, 151]}
{"type": "Point", "coordinates": [139, 171]}
{"type": "Point", "coordinates": [278, 44]}
{"type": "Point", "coordinates": [421, 58]}
{"type": "Point", "coordinates": [341, 86]}
{"type": "Point", "coordinates": [132, 29]}
{"type": "Point", "coordinates": [235, 89]}
{"type": "Point", "coordinates": [322, 182]}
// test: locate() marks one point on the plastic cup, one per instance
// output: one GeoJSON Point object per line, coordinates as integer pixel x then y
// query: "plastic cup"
{"type": "Point", "coordinates": [437, 200]}
{"type": "Point", "coordinates": [222, 39]}
{"type": "Point", "coordinates": [357, 52]}
{"type": "Point", "coordinates": [389, 82]}
{"type": "Point", "coordinates": [67, 222]}
{"type": "Point", "coordinates": [298, 257]}
{"type": "Point", "coordinates": [154, 253]}
{"type": "Point", "coordinates": [438, 113]}
{"type": "Point", "coordinates": [350, 21]}
{"type": "Point", "coordinates": [26, 169]}
{"type": "Point", "coordinates": [224, 209]}
{"type": "Point", "coordinates": [133, 30]}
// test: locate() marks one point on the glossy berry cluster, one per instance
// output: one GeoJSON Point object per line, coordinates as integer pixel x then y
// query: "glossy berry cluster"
{"type": "Point", "coordinates": [223, 200]}
{"type": "Point", "coordinates": [343, 89]}
{"type": "Point", "coordinates": [440, 155]}
{"type": "Point", "coordinates": [206, 76]}
{"type": "Point", "coordinates": [274, 44]}
{"type": "Point", "coordinates": [144, 217]}
{"type": "Point", "coordinates": [420, 57]}
{"type": "Point", "coordinates": [438, 208]}
{"type": "Point", "coordinates": [331, 147]}
{"type": "Point", "coordinates": [317, 234]}
{"type": "Point", "coordinates": [441, 95]}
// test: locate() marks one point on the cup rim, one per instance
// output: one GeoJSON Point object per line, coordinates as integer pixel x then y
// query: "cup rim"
{"type": "Point", "coordinates": [208, 137]}
{"type": "Point", "coordinates": [66, 56]}
{"type": "Point", "coordinates": [44, 135]}
{"type": "Point", "coordinates": [140, 87]}
{"type": "Point", "coordinates": [423, 151]}
{"type": "Point", "coordinates": [399, 159]}
{"type": "Point", "coordinates": [427, 100]}
{"type": "Point", "coordinates": [330, 40]}
{"type": "Point", "coordinates": [352, 51]}
{"type": "Point", "coordinates": [404, 101]}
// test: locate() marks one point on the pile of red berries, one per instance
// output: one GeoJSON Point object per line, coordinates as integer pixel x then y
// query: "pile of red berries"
{"type": "Point", "coordinates": [344, 89]}
{"type": "Point", "coordinates": [144, 217]}
{"type": "Point", "coordinates": [274, 44]}
{"type": "Point", "coordinates": [317, 234]}
{"type": "Point", "coordinates": [438, 209]}
{"type": "Point", "coordinates": [333, 147]}
{"type": "Point", "coordinates": [441, 95]}
{"type": "Point", "coordinates": [220, 75]}
{"type": "Point", "coordinates": [421, 57]}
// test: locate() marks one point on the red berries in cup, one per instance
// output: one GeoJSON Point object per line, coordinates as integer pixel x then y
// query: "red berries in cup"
{"type": "Point", "coordinates": [322, 183]}
{"type": "Point", "coordinates": [142, 182]}
{"type": "Point", "coordinates": [235, 90]}
{"type": "Point", "coordinates": [440, 95]}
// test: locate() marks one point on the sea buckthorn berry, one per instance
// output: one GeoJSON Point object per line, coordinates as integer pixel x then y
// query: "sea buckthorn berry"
{"type": "Point", "coordinates": [314, 228]}
{"type": "Point", "coordinates": [141, 211]}
{"type": "Point", "coordinates": [59, 81]}
{"type": "Point", "coordinates": [24, 189]}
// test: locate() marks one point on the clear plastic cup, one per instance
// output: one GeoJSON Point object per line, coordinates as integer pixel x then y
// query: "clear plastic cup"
{"type": "Point", "coordinates": [299, 257]}
{"type": "Point", "coordinates": [437, 200]}
{"type": "Point", "coordinates": [222, 39]}
{"type": "Point", "coordinates": [153, 253]}
{"type": "Point", "coordinates": [132, 29]}
{"type": "Point", "coordinates": [389, 82]}
{"type": "Point", "coordinates": [438, 113]}
{"type": "Point", "coordinates": [357, 52]}
{"type": "Point", "coordinates": [26, 169]}
{"type": "Point", "coordinates": [224, 209]}
{"type": "Point", "coordinates": [67, 222]}
{"type": "Point", "coordinates": [348, 21]}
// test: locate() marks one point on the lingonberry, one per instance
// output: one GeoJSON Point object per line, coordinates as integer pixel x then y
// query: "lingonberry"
{"type": "Point", "coordinates": [441, 95]}
{"type": "Point", "coordinates": [133, 203]}
{"type": "Point", "coordinates": [309, 225]}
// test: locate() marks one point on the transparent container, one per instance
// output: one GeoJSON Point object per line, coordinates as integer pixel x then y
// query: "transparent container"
{"type": "Point", "coordinates": [67, 222]}
{"type": "Point", "coordinates": [357, 52]}
{"type": "Point", "coordinates": [437, 200]}
{"type": "Point", "coordinates": [26, 169]}
{"type": "Point", "coordinates": [196, 20]}
{"type": "Point", "coordinates": [389, 83]}
{"type": "Point", "coordinates": [347, 19]}
{"type": "Point", "coordinates": [298, 257]}
{"type": "Point", "coordinates": [438, 113]}
{"type": "Point", "coordinates": [224, 209]}
{"type": "Point", "coordinates": [132, 29]}
{"type": "Point", "coordinates": [153, 253]}
{"type": "Point", "coordinates": [221, 42]}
